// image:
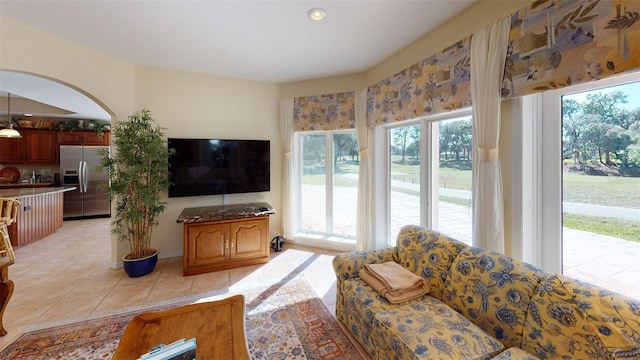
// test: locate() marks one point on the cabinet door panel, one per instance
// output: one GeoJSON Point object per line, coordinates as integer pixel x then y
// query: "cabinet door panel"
{"type": "Point", "coordinates": [69, 138]}
{"type": "Point", "coordinates": [10, 151]}
{"type": "Point", "coordinates": [96, 138]}
{"type": "Point", "coordinates": [249, 238]}
{"type": "Point", "coordinates": [80, 137]}
{"type": "Point", "coordinates": [41, 147]}
{"type": "Point", "coordinates": [207, 244]}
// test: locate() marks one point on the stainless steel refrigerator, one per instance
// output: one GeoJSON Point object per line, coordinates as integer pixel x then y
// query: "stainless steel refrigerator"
{"type": "Point", "coordinates": [78, 168]}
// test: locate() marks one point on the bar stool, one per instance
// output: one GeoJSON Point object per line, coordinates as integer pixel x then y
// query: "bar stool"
{"type": "Point", "coordinates": [8, 214]}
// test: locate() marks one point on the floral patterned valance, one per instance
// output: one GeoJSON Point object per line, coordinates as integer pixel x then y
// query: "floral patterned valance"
{"type": "Point", "coordinates": [561, 43]}
{"type": "Point", "coordinates": [552, 44]}
{"type": "Point", "coordinates": [324, 112]}
{"type": "Point", "coordinates": [437, 84]}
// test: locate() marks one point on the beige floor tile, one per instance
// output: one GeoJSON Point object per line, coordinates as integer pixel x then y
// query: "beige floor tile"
{"type": "Point", "coordinates": [204, 283]}
{"type": "Point", "coordinates": [65, 287]}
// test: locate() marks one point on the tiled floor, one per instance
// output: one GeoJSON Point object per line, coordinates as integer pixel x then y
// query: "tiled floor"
{"type": "Point", "coordinates": [67, 276]}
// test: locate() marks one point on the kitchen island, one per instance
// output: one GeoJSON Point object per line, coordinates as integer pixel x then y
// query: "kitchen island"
{"type": "Point", "coordinates": [39, 214]}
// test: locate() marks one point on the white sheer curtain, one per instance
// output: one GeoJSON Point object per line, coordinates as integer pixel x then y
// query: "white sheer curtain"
{"type": "Point", "coordinates": [365, 221]}
{"type": "Point", "coordinates": [286, 133]}
{"type": "Point", "coordinates": [488, 53]}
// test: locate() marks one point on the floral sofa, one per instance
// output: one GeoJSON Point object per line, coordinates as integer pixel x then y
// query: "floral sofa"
{"type": "Point", "coordinates": [482, 305]}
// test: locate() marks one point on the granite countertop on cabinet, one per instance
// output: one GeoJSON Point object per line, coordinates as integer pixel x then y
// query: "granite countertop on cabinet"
{"type": "Point", "coordinates": [224, 212]}
{"type": "Point", "coordinates": [28, 192]}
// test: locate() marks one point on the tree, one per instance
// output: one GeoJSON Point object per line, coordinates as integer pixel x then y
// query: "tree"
{"type": "Point", "coordinates": [344, 145]}
{"type": "Point", "coordinates": [401, 138]}
{"type": "Point", "coordinates": [573, 127]}
{"type": "Point", "coordinates": [633, 150]}
{"type": "Point", "coordinates": [455, 137]}
{"type": "Point", "coordinates": [606, 105]}
{"type": "Point", "coordinates": [600, 124]}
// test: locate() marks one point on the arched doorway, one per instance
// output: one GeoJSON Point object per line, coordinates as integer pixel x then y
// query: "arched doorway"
{"type": "Point", "coordinates": [38, 97]}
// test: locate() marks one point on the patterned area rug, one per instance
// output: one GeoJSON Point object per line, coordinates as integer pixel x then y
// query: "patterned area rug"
{"type": "Point", "coordinates": [284, 321]}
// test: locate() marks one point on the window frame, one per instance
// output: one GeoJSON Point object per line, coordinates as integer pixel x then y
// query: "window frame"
{"type": "Point", "coordinates": [542, 121]}
{"type": "Point", "coordinates": [429, 194]}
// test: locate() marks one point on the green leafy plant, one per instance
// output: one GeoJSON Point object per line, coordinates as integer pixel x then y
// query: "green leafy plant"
{"type": "Point", "coordinates": [138, 174]}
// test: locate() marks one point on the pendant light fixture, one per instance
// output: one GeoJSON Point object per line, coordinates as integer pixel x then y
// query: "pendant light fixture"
{"type": "Point", "coordinates": [9, 132]}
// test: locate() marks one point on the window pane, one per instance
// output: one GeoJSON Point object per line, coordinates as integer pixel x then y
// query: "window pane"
{"type": "Point", "coordinates": [455, 159]}
{"type": "Point", "coordinates": [404, 195]}
{"type": "Point", "coordinates": [345, 184]}
{"type": "Point", "coordinates": [313, 186]}
{"type": "Point", "coordinates": [601, 187]}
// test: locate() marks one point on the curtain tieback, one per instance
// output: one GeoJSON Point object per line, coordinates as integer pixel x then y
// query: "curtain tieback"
{"type": "Point", "coordinates": [287, 154]}
{"type": "Point", "coordinates": [364, 152]}
{"type": "Point", "coordinates": [487, 154]}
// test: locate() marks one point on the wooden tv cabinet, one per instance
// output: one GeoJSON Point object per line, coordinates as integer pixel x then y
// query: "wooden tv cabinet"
{"type": "Point", "coordinates": [224, 237]}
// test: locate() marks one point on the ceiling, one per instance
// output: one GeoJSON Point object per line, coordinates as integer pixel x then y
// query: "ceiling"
{"type": "Point", "coordinates": [262, 40]}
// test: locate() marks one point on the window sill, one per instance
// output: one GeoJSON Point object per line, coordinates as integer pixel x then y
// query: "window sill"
{"type": "Point", "coordinates": [323, 241]}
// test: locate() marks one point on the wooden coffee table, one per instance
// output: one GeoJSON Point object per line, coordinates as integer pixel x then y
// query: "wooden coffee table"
{"type": "Point", "coordinates": [218, 327]}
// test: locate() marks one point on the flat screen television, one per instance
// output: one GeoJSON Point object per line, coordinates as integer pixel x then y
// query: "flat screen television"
{"type": "Point", "coordinates": [216, 166]}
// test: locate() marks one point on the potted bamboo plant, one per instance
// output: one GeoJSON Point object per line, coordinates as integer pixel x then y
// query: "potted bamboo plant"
{"type": "Point", "coordinates": [138, 174]}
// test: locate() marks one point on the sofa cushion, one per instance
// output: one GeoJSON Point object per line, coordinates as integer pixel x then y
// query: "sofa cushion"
{"type": "Point", "coordinates": [514, 353]}
{"type": "Point", "coordinates": [361, 303]}
{"type": "Point", "coordinates": [428, 254]}
{"type": "Point", "coordinates": [493, 291]}
{"type": "Point", "coordinates": [365, 300]}
{"type": "Point", "coordinates": [429, 329]}
{"type": "Point", "coordinates": [555, 326]}
{"type": "Point", "coordinates": [615, 318]}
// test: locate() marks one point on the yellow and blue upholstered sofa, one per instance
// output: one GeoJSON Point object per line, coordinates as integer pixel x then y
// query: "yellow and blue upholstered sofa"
{"type": "Point", "coordinates": [482, 305]}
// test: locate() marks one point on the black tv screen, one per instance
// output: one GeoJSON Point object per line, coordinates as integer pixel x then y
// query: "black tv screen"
{"type": "Point", "coordinates": [214, 166]}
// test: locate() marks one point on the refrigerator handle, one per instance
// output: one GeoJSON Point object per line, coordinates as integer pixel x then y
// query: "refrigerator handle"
{"type": "Point", "coordinates": [85, 176]}
{"type": "Point", "coordinates": [80, 176]}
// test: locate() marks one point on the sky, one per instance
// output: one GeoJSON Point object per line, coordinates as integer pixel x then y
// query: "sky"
{"type": "Point", "coordinates": [631, 89]}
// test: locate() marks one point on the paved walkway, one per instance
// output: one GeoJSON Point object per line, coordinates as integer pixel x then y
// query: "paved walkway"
{"type": "Point", "coordinates": [567, 207]}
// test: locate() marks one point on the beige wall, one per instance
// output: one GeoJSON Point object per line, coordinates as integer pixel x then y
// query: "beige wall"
{"type": "Point", "coordinates": [202, 106]}
{"type": "Point", "coordinates": [464, 24]}
{"type": "Point", "coordinates": [330, 85]}
{"type": "Point", "coordinates": [197, 105]}
{"type": "Point", "coordinates": [103, 77]}
{"type": "Point", "coordinates": [187, 104]}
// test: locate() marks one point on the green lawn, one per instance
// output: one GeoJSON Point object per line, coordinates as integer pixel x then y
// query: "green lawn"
{"type": "Point", "coordinates": [621, 229]}
{"type": "Point", "coordinates": [602, 190]}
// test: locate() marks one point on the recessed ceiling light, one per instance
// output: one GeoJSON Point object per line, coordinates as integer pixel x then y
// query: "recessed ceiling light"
{"type": "Point", "coordinates": [316, 14]}
{"type": "Point", "coordinates": [27, 114]}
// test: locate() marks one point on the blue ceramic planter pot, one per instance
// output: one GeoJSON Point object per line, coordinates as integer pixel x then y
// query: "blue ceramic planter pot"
{"type": "Point", "coordinates": [140, 267]}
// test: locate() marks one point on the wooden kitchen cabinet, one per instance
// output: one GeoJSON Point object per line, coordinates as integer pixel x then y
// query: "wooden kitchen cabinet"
{"type": "Point", "coordinates": [225, 244]}
{"type": "Point", "coordinates": [40, 146]}
{"type": "Point", "coordinates": [39, 214]}
{"type": "Point", "coordinates": [82, 137]}
{"type": "Point", "coordinates": [11, 151]}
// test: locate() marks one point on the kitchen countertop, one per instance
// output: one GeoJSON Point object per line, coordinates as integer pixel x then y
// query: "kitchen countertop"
{"type": "Point", "coordinates": [224, 212]}
{"type": "Point", "coordinates": [27, 192]}
{"type": "Point", "coordinates": [26, 185]}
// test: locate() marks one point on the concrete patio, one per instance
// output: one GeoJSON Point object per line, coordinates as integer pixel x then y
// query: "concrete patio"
{"type": "Point", "coordinates": [602, 260]}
